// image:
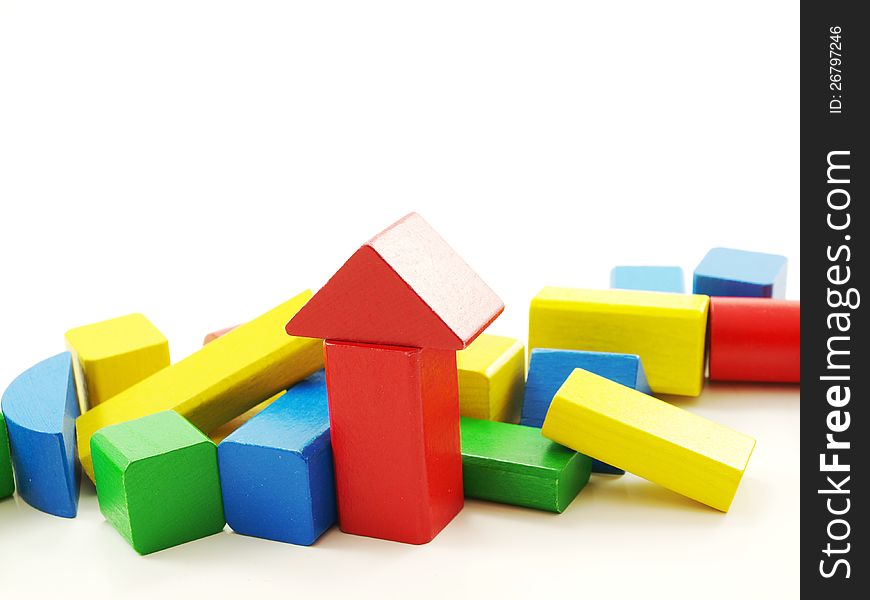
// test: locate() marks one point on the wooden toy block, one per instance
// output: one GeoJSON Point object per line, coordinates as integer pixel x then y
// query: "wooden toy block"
{"type": "Point", "coordinates": [41, 407]}
{"type": "Point", "coordinates": [513, 464]}
{"type": "Point", "coordinates": [755, 339]}
{"type": "Point", "coordinates": [223, 431]}
{"type": "Point", "coordinates": [548, 370]}
{"type": "Point", "coordinates": [491, 376]}
{"type": "Point", "coordinates": [394, 418]}
{"type": "Point", "coordinates": [7, 481]}
{"type": "Point", "coordinates": [216, 334]}
{"type": "Point", "coordinates": [655, 440]}
{"type": "Point", "coordinates": [392, 318]}
{"type": "Point", "coordinates": [276, 470]}
{"type": "Point", "coordinates": [404, 287]}
{"type": "Point", "coordinates": [729, 272]}
{"type": "Point", "coordinates": [157, 481]}
{"type": "Point", "coordinates": [667, 331]}
{"type": "Point", "coordinates": [218, 382]}
{"type": "Point", "coordinates": [651, 279]}
{"type": "Point", "coordinates": [110, 356]}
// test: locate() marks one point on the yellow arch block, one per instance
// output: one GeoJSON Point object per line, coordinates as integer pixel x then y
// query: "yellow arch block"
{"type": "Point", "coordinates": [655, 440]}
{"type": "Point", "coordinates": [667, 331]}
{"type": "Point", "coordinates": [218, 382]}
{"type": "Point", "coordinates": [491, 378]}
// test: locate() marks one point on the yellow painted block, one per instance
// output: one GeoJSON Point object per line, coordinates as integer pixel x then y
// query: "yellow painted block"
{"type": "Point", "coordinates": [218, 435]}
{"type": "Point", "coordinates": [683, 452]}
{"type": "Point", "coordinates": [218, 382]}
{"type": "Point", "coordinates": [491, 378]}
{"type": "Point", "coordinates": [668, 331]}
{"type": "Point", "coordinates": [110, 356]}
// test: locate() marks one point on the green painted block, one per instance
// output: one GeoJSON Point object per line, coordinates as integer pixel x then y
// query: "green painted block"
{"type": "Point", "coordinates": [7, 481]}
{"type": "Point", "coordinates": [515, 464]}
{"type": "Point", "coordinates": [157, 481]}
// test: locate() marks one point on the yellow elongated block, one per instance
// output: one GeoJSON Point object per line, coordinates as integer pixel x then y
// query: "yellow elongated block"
{"type": "Point", "coordinates": [491, 378]}
{"type": "Point", "coordinates": [218, 382]}
{"type": "Point", "coordinates": [112, 355]}
{"type": "Point", "coordinates": [683, 452]}
{"type": "Point", "coordinates": [667, 331]}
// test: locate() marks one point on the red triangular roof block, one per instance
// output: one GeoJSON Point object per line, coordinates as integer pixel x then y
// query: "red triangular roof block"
{"type": "Point", "coordinates": [404, 287]}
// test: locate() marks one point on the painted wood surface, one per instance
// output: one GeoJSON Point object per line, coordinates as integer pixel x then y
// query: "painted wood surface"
{"type": "Point", "coordinates": [668, 331]}
{"type": "Point", "coordinates": [755, 339]}
{"type": "Point", "coordinates": [7, 480]}
{"type": "Point", "coordinates": [651, 279]}
{"type": "Point", "coordinates": [548, 370]}
{"type": "Point", "coordinates": [276, 470]}
{"type": "Point", "coordinates": [394, 418]}
{"type": "Point", "coordinates": [740, 273]}
{"type": "Point", "coordinates": [404, 287]}
{"type": "Point", "coordinates": [491, 376]}
{"type": "Point", "coordinates": [112, 355]}
{"type": "Point", "coordinates": [218, 382]}
{"type": "Point", "coordinates": [513, 464]}
{"type": "Point", "coordinates": [41, 407]}
{"type": "Point", "coordinates": [655, 440]}
{"type": "Point", "coordinates": [157, 481]}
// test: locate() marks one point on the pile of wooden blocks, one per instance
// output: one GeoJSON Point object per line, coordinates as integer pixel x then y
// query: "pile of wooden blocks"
{"type": "Point", "coordinates": [415, 410]}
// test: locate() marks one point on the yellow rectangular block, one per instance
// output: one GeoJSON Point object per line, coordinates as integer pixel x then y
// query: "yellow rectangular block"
{"type": "Point", "coordinates": [655, 440]}
{"type": "Point", "coordinates": [218, 382]}
{"type": "Point", "coordinates": [667, 331]}
{"type": "Point", "coordinates": [112, 355]}
{"type": "Point", "coordinates": [491, 378]}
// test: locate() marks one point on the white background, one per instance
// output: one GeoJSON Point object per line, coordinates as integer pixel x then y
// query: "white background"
{"type": "Point", "coordinates": [200, 162]}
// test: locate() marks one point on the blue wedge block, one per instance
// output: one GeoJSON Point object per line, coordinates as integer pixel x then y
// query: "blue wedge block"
{"type": "Point", "coordinates": [276, 470]}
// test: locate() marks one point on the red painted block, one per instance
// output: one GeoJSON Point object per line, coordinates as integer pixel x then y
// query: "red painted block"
{"type": "Point", "coordinates": [404, 287]}
{"type": "Point", "coordinates": [216, 334]}
{"type": "Point", "coordinates": [755, 339]}
{"type": "Point", "coordinates": [394, 422]}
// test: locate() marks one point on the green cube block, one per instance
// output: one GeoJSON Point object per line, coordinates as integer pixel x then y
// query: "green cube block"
{"type": "Point", "coordinates": [157, 481]}
{"type": "Point", "coordinates": [515, 464]}
{"type": "Point", "coordinates": [7, 481]}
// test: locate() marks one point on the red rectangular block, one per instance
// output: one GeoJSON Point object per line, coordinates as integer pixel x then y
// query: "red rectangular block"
{"type": "Point", "coordinates": [394, 419]}
{"type": "Point", "coordinates": [755, 339]}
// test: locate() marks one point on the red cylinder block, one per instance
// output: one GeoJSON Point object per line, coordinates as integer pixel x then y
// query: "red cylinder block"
{"type": "Point", "coordinates": [755, 339]}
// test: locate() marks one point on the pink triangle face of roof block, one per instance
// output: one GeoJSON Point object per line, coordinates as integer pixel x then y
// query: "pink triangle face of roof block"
{"type": "Point", "coordinates": [405, 287]}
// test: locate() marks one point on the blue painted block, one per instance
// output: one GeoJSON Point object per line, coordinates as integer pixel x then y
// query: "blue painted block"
{"type": "Point", "coordinates": [728, 272]}
{"type": "Point", "coordinates": [548, 370]}
{"type": "Point", "coordinates": [41, 407]}
{"type": "Point", "coordinates": [276, 469]}
{"type": "Point", "coordinates": [651, 279]}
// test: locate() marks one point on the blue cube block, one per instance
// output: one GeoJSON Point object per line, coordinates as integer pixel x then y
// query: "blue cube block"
{"type": "Point", "coordinates": [548, 370]}
{"type": "Point", "coordinates": [651, 279]}
{"type": "Point", "coordinates": [276, 470]}
{"type": "Point", "coordinates": [738, 273]}
{"type": "Point", "coordinates": [41, 406]}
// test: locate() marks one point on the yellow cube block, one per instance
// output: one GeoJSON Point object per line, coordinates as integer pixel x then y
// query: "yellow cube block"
{"type": "Point", "coordinates": [655, 440]}
{"type": "Point", "coordinates": [667, 331]}
{"type": "Point", "coordinates": [218, 382]}
{"type": "Point", "coordinates": [491, 378]}
{"type": "Point", "coordinates": [110, 356]}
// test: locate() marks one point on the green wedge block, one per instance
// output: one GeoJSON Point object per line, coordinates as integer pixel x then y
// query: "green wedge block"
{"type": "Point", "coordinates": [7, 481]}
{"type": "Point", "coordinates": [514, 464]}
{"type": "Point", "coordinates": [157, 481]}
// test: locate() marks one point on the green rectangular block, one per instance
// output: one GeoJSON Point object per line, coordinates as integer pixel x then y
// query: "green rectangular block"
{"type": "Point", "coordinates": [157, 481]}
{"type": "Point", "coordinates": [7, 481]}
{"type": "Point", "coordinates": [515, 464]}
